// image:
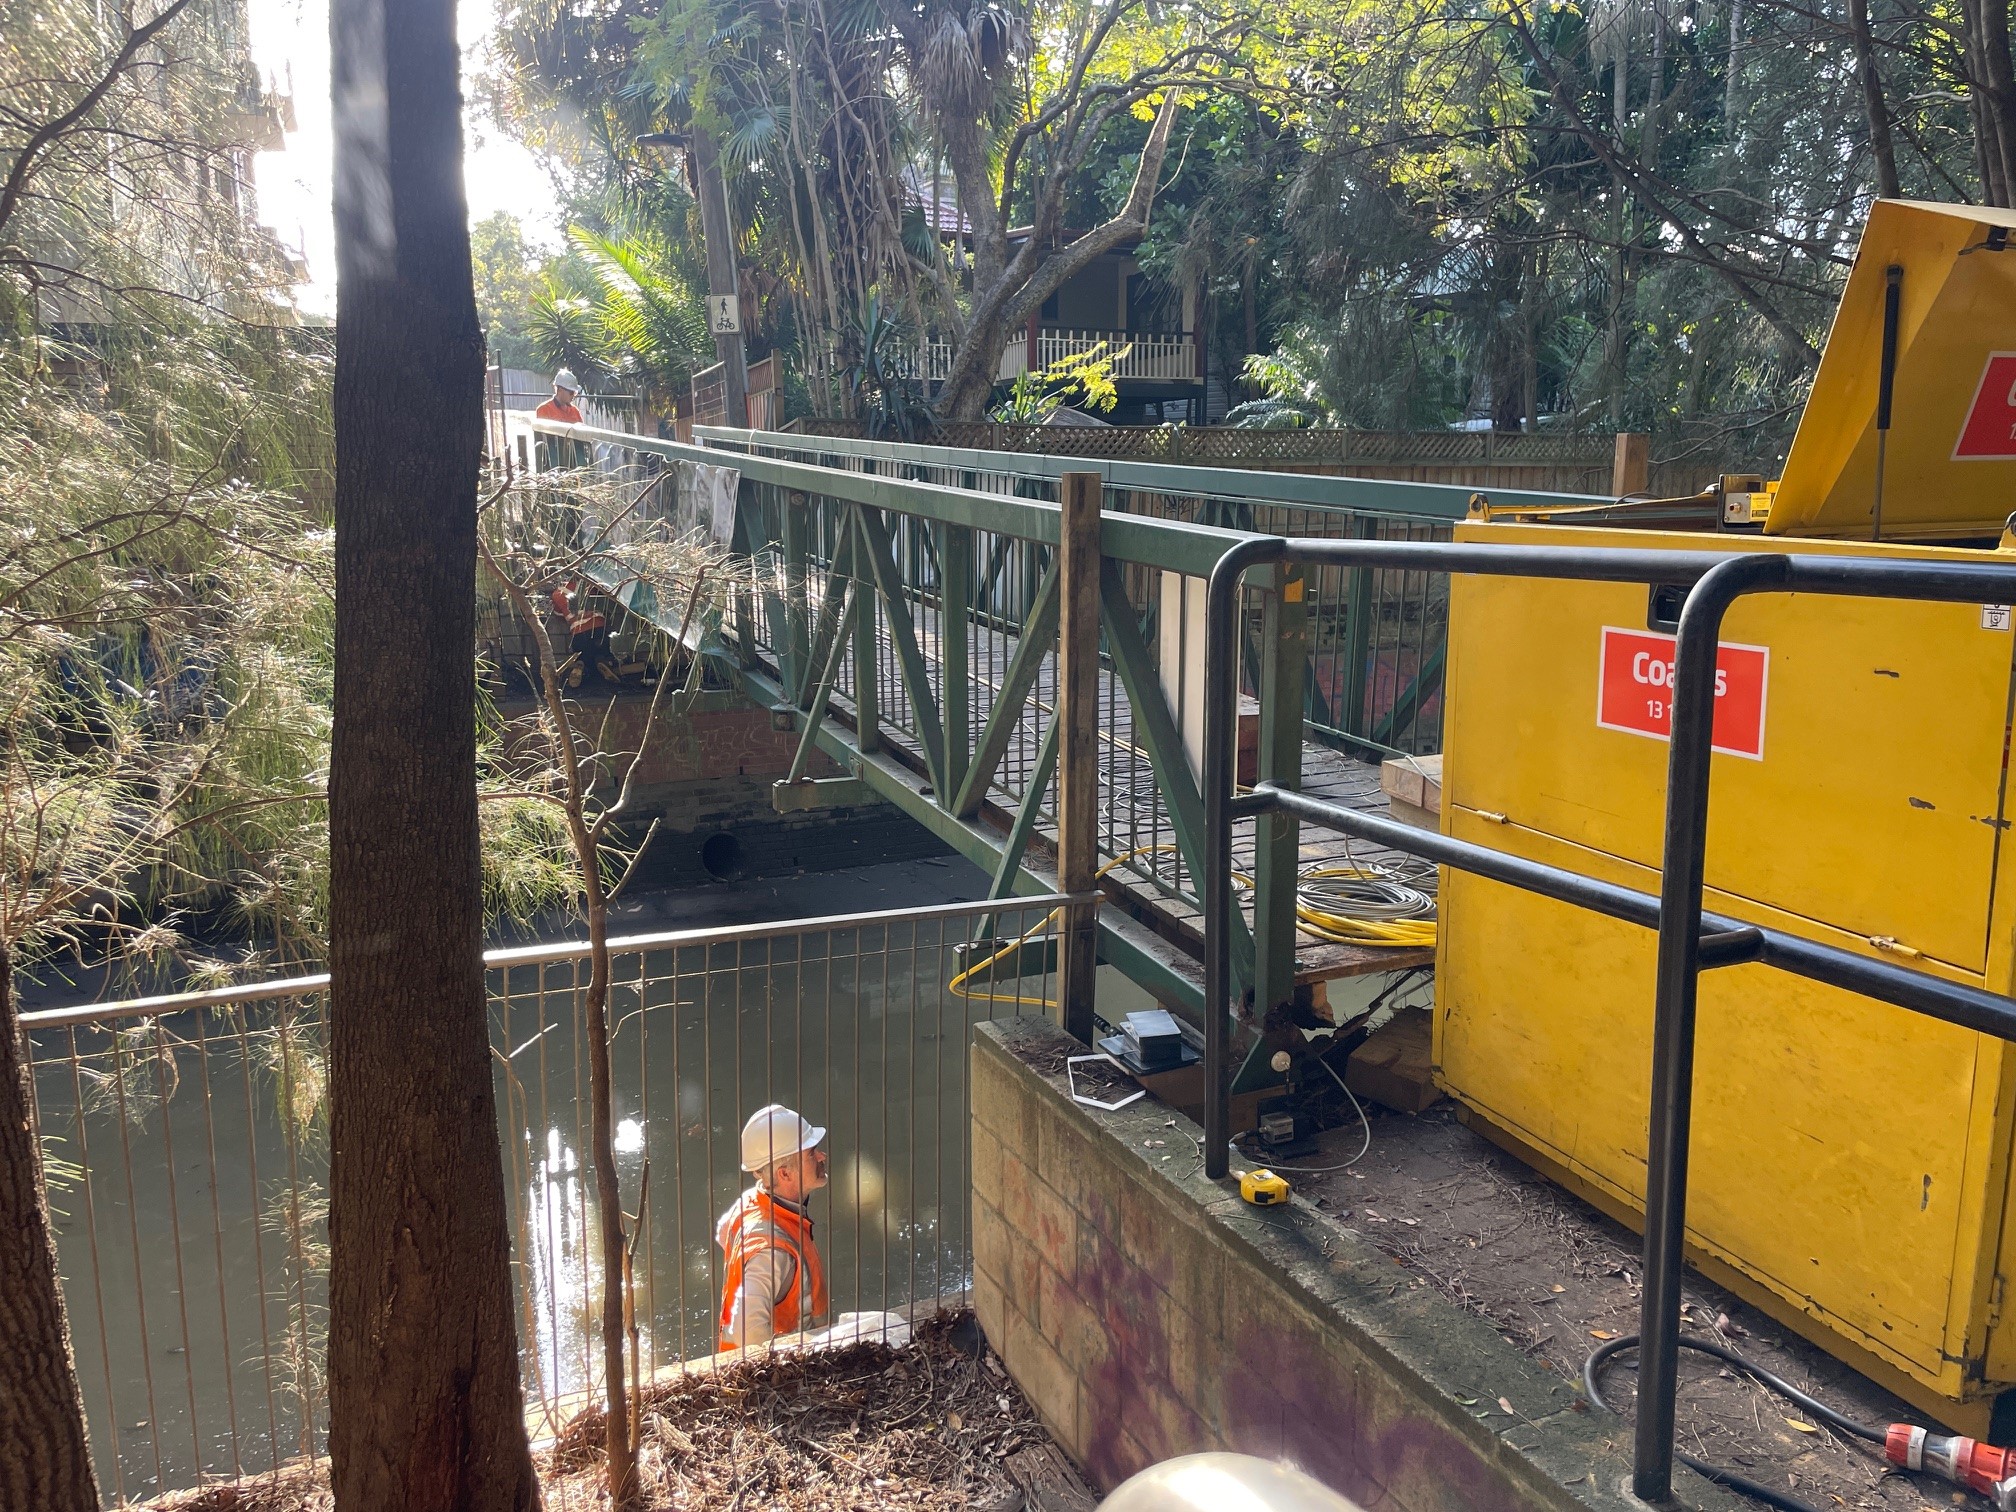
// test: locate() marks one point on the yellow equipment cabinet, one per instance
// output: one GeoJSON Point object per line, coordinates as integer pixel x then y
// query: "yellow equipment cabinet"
{"type": "Point", "coordinates": [1851, 1161]}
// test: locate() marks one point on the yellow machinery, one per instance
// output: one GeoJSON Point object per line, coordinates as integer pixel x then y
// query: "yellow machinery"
{"type": "Point", "coordinates": [1851, 1161]}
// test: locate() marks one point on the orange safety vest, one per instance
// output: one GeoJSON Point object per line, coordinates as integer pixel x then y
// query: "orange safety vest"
{"type": "Point", "coordinates": [566, 604]}
{"type": "Point", "coordinates": [758, 1222]}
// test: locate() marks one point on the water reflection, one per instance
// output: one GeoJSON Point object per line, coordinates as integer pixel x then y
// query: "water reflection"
{"type": "Point", "coordinates": [192, 1227]}
{"type": "Point", "coordinates": [855, 1034]}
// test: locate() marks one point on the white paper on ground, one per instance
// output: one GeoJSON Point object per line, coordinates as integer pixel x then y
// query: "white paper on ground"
{"type": "Point", "coordinates": [861, 1327]}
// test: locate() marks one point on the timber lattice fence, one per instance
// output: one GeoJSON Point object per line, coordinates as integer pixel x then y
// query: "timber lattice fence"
{"type": "Point", "coordinates": [1568, 463]}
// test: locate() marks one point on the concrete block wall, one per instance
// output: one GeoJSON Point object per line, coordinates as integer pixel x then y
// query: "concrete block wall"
{"type": "Point", "coordinates": [1147, 1312]}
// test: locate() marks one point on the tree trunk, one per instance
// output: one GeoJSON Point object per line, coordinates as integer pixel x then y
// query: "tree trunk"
{"type": "Point", "coordinates": [1009, 290]}
{"type": "Point", "coordinates": [970, 384]}
{"type": "Point", "coordinates": [1729, 83]}
{"type": "Point", "coordinates": [45, 1457]}
{"type": "Point", "coordinates": [1987, 157]}
{"type": "Point", "coordinates": [1655, 97]}
{"type": "Point", "coordinates": [1880, 145]}
{"type": "Point", "coordinates": [1529, 341]}
{"type": "Point", "coordinates": [1613, 297]}
{"type": "Point", "coordinates": [1993, 77]}
{"type": "Point", "coordinates": [426, 1413]}
{"type": "Point", "coordinates": [1249, 298]}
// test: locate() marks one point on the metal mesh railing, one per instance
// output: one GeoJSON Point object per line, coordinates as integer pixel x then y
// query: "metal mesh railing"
{"type": "Point", "coordinates": [944, 614]}
{"type": "Point", "coordinates": [188, 1162]}
{"type": "Point", "coordinates": [1378, 638]}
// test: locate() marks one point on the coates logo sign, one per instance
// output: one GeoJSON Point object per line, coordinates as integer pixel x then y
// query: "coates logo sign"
{"type": "Point", "coordinates": [1634, 690]}
{"type": "Point", "coordinates": [1988, 434]}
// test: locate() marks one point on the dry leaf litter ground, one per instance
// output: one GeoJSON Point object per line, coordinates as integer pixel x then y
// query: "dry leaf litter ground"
{"type": "Point", "coordinates": [932, 1426]}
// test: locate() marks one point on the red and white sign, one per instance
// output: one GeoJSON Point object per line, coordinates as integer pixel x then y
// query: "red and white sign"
{"type": "Point", "coordinates": [1990, 432]}
{"type": "Point", "coordinates": [1634, 690]}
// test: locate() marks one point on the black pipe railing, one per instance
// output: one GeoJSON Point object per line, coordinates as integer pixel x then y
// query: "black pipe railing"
{"type": "Point", "coordinates": [1689, 940]}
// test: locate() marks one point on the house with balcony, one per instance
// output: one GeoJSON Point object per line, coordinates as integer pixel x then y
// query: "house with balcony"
{"type": "Point", "coordinates": [169, 179]}
{"type": "Point", "coordinates": [1150, 333]}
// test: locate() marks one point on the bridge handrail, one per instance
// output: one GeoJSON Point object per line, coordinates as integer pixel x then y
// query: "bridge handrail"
{"type": "Point", "coordinates": [1428, 501]}
{"type": "Point", "coordinates": [1170, 545]}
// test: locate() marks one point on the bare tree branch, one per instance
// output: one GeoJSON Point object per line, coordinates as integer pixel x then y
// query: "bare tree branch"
{"type": "Point", "coordinates": [25, 160]}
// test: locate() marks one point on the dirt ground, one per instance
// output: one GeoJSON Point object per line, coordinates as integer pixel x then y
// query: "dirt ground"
{"type": "Point", "coordinates": [1556, 1277]}
{"type": "Point", "coordinates": [937, 1426]}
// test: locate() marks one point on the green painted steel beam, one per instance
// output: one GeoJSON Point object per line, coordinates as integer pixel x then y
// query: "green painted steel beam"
{"type": "Point", "coordinates": [1038, 638]}
{"type": "Point", "coordinates": [867, 643]}
{"type": "Point", "coordinates": [1130, 947]}
{"type": "Point", "coordinates": [815, 710]}
{"type": "Point", "coordinates": [1427, 680]}
{"type": "Point", "coordinates": [1167, 544]}
{"type": "Point", "coordinates": [1351, 717]}
{"type": "Point", "coordinates": [1435, 501]}
{"type": "Point", "coordinates": [1284, 656]}
{"type": "Point", "coordinates": [831, 603]}
{"type": "Point", "coordinates": [955, 631]}
{"type": "Point", "coordinates": [1026, 814]}
{"type": "Point", "coordinates": [873, 534]}
{"type": "Point", "coordinates": [794, 650]}
{"type": "Point", "coordinates": [753, 536]}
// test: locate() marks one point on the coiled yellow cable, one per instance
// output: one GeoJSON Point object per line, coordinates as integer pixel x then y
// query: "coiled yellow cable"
{"type": "Point", "coordinates": [1401, 919]}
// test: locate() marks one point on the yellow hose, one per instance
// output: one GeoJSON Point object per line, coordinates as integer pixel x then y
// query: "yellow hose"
{"type": "Point", "coordinates": [957, 986]}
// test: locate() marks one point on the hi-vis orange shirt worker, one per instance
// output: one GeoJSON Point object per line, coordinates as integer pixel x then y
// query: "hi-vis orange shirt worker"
{"type": "Point", "coordinates": [561, 406]}
{"type": "Point", "coordinates": [775, 1282]}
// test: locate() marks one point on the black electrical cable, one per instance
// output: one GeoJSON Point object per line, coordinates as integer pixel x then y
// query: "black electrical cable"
{"type": "Point", "coordinates": [1592, 1374]}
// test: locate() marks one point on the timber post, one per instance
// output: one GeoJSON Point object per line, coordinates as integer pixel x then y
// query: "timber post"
{"type": "Point", "coordinates": [1077, 721]}
{"type": "Point", "coordinates": [1631, 465]}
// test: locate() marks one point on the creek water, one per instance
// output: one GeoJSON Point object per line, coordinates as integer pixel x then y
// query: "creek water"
{"type": "Point", "coordinates": [188, 1159]}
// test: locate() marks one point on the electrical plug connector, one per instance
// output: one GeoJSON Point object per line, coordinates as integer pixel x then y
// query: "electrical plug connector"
{"type": "Point", "coordinates": [1966, 1462]}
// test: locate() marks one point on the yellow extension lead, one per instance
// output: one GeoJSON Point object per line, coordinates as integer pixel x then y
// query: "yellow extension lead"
{"type": "Point", "coordinates": [957, 986]}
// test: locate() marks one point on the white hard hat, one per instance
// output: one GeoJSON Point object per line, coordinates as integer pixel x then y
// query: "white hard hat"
{"type": "Point", "coordinates": [565, 379]}
{"type": "Point", "coordinates": [1208, 1482]}
{"type": "Point", "coordinates": [774, 1133]}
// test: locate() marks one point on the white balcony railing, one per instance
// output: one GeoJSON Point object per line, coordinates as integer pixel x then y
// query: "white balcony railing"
{"type": "Point", "coordinates": [1136, 354]}
{"type": "Point", "coordinates": [1153, 357]}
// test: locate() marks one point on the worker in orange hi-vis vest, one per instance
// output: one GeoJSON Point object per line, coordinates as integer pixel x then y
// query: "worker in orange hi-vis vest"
{"type": "Point", "coordinates": [775, 1282]}
{"type": "Point", "coordinates": [566, 389]}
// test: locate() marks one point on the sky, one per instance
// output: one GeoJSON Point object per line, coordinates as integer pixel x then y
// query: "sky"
{"type": "Point", "coordinates": [290, 44]}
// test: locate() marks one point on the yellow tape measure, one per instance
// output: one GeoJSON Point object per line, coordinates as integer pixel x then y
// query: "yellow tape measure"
{"type": "Point", "coordinates": [1263, 1188]}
